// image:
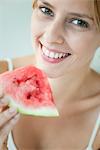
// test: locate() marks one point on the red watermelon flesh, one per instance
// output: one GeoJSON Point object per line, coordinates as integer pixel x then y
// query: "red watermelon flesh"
{"type": "Point", "coordinates": [28, 89]}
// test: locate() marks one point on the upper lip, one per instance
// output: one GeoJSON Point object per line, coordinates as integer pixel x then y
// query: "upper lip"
{"type": "Point", "coordinates": [54, 50]}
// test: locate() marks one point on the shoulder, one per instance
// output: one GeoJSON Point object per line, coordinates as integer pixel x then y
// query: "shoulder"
{"type": "Point", "coordinates": [23, 61]}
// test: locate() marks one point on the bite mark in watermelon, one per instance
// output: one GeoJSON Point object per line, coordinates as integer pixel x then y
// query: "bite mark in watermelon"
{"type": "Point", "coordinates": [28, 89]}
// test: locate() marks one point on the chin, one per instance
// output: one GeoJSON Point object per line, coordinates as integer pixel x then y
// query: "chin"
{"type": "Point", "coordinates": [49, 72]}
{"type": "Point", "coordinates": [52, 69]}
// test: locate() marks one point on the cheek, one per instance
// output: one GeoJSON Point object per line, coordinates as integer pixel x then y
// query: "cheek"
{"type": "Point", "coordinates": [83, 44]}
{"type": "Point", "coordinates": [35, 30]}
{"type": "Point", "coordinates": [37, 26]}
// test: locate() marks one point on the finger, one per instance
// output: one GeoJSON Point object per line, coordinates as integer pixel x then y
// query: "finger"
{"type": "Point", "coordinates": [3, 108]}
{"type": "Point", "coordinates": [1, 92]}
{"type": "Point", "coordinates": [4, 102]}
{"type": "Point", "coordinates": [5, 99]}
{"type": "Point", "coordinates": [3, 105]}
{"type": "Point", "coordinates": [7, 115]}
{"type": "Point", "coordinates": [7, 128]}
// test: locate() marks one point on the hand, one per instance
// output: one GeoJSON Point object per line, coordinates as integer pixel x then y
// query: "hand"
{"type": "Point", "coordinates": [8, 118]}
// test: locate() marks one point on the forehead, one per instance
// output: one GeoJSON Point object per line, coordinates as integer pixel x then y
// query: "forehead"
{"type": "Point", "coordinates": [66, 5]}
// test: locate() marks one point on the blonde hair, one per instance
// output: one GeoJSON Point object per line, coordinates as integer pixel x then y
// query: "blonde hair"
{"type": "Point", "coordinates": [96, 8]}
{"type": "Point", "coordinates": [34, 3]}
{"type": "Point", "coordinates": [95, 4]}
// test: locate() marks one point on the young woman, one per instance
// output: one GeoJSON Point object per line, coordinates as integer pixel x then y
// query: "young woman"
{"type": "Point", "coordinates": [65, 36]}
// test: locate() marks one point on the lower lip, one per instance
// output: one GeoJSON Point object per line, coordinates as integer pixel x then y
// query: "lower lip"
{"type": "Point", "coordinates": [51, 60]}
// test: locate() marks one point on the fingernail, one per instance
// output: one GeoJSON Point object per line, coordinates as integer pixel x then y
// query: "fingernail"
{"type": "Point", "coordinates": [1, 91]}
{"type": "Point", "coordinates": [2, 102]}
{"type": "Point", "coordinates": [12, 110]}
{"type": "Point", "coordinates": [17, 117]}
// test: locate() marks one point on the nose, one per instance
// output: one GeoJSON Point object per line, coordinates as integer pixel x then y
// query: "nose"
{"type": "Point", "coordinates": [54, 33]}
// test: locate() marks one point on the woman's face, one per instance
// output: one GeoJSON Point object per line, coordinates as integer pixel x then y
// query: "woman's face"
{"type": "Point", "coordinates": [63, 35]}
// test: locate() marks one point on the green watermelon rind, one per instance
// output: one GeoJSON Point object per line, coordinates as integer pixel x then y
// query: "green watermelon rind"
{"type": "Point", "coordinates": [43, 111]}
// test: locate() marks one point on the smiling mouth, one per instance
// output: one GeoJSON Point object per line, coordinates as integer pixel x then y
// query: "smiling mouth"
{"type": "Point", "coordinates": [53, 55]}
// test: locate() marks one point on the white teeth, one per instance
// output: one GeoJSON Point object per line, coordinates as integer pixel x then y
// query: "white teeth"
{"type": "Point", "coordinates": [47, 53]}
{"type": "Point", "coordinates": [64, 55]}
{"type": "Point", "coordinates": [60, 55]}
{"type": "Point", "coordinates": [43, 51]}
{"type": "Point", "coordinates": [56, 55]}
{"type": "Point", "coordinates": [53, 54]}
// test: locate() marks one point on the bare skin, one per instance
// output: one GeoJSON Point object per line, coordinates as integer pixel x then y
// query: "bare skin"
{"type": "Point", "coordinates": [73, 127]}
{"type": "Point", "coordinates": [8, 118]}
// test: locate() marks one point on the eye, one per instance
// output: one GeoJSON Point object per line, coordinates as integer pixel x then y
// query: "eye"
{"type": "Point", "coordinates": [46, 11]}
{"type": "Point", "coordinates": [80, 23]}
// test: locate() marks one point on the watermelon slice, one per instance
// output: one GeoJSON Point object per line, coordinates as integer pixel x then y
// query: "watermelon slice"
{"type": "Point", "coordinates": [28, 89]}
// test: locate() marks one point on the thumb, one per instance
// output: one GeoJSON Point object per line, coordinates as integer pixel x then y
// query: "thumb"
{"type": "Point", "coordinates": [1, 92]}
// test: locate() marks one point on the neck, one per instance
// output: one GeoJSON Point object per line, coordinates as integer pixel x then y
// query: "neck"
{"type": "Point", "coordinates": [74, 87]}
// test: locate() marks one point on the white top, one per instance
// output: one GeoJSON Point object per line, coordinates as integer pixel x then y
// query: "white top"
{"type": "Point", "coordinates": [11, 145]}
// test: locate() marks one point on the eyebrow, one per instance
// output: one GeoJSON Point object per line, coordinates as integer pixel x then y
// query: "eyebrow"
{"type": "Point", "coordinates": [80, 15]}
{"type": "Point", "coordinates": [70, 13]}
{"type": "Point", "coordinates": [46, 3]}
